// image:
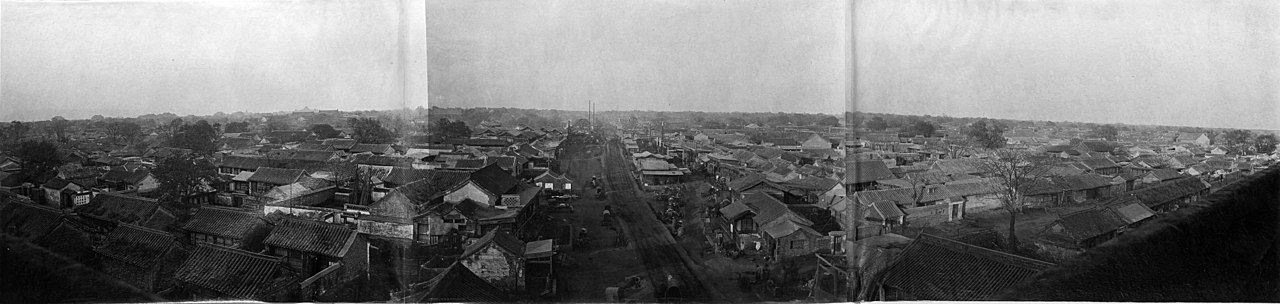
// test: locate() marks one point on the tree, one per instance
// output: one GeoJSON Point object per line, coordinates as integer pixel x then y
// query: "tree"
{"type": "Point", "coordinates": [17, 130]}
{"type": "Point", "coordinates": [324, 131]}
{"type": "Point", "coordinates": [1107, 132]}
{"type": "Point", "coordinates": [713, 124]}
{"type": "Point", "coordinates": [877, 124]}
{"type": "Point", "coordinates": [125, 130]}
{"type": "Point", "coordinates": [237, 127]}
{"type": "Point", "coordinates": [828, 121]}
{"type": "Point", "coordinates": [183, 176]}
{"type": "Point", "coordinates": [1015, 169]}
{"type": "Point", "coordinates": [59, 126]}
{"type": "Point", "coordinates": [922, 128]}
{"type": "Point", "coordinates": [1265, 143]}
{"type": "Point", "coordinates": [452, 129]}
{"type": "Point", "coordinates": [278, 123]}
{"type": "Point", "coordinates": [370, 131]}
{"type": "Point", "coordinates": [1237, 141]}
{"type": "Point", "coordinates": [199, 137]}
{"type": "Point", "coordinates": [986, 134]}
{"type": "Point", "coordinates": [173, 126]}
{"type": "Point", "coordinates": [38, 157]}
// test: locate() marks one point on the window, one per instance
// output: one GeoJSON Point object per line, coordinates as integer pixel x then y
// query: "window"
{"type": "Point", "coordinates": [547, 185]}
{"type": "Point", "coordinates": [568, 186]}
{"type": "Point", "coordinates": [797, 244]}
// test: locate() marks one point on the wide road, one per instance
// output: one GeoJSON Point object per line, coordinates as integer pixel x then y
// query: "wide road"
{"type": "Point", "coordinates": [648, 235]}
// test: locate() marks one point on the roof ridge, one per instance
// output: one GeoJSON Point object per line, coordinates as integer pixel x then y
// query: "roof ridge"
{"type": "Point", "coordinates": [143, 228]}
{"type": "Point", "coordinates": [988, 253]}
{"type": "Point", "coordinates": [240, 252]}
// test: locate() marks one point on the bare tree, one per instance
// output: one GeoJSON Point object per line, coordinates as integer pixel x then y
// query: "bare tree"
{"type": "Point", "coordinates": [1015, 170]}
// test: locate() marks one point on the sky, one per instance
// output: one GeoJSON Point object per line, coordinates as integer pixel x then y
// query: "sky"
{"type": "Point", "coordinates": [1167, 62]}
{"type": "Point", "coordinates": [126, 58]}
{"type": "Point", "coordinates": [661, 55]}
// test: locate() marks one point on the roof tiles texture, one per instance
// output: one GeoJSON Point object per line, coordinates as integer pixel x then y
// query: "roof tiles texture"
{"type": "Point", "coordinates": [311, 236]}
{"type": "Point", "coordinates": [933, 268]}
{"type": "Point", "coordinates": [235, 273]}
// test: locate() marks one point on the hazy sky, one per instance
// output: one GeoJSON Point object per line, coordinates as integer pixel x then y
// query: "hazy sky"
{"type": "Point", "coordinates": [1175, 62]}
{"type": "Point", "coordinates": [703, 55]}
{"type": "Point", "coordinates": [126, 58]}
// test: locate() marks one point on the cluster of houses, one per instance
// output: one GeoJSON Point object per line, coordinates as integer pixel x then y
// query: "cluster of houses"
{"type": "Point", "coordinates": [873, 211]}
{"type": "Point", "coordinates": [294, 218]}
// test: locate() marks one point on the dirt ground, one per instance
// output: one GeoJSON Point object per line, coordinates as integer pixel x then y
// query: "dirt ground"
{"type": "Point", "coordinates": [1028, 224]}
{"type": "Point", "coordinates": [602, 263]}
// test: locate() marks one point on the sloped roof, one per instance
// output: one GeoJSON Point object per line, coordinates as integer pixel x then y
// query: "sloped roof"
{"type": "Point", "coordinates": [136, 245]}
{"type": "Point", "coordinates": [778, 229]}
{"type": "Point", "coordinates": [1082, 181]}
{"type": "Point", "coordinates": [304, 155]}
{"type": "Point", "coordinates": [960, 165]}
{"type": "Point", "coordinates": [28, 220]}
{"type": "Point", "coordinates": [381, 160]}
{"type": "Point", "coordinates": [767, 208]}
{"type": "Point", "coordinates": [127, 209]}
{"type": "Point", "coordinates": [746, 181]}
{"type": "Point", "coordinates": [734, 210]}
{"type": "Point", "coordinates": [372, 148]}
{"type": "Point", "coordinates": [402, 175]}
{"type": "Point", "coordinates": [884, 210]}
{"type": "Point", "coordinates": [812, 183]}
{"type": "Point", "coordinates": [975, 187]}
{"type": "Point", "coordinates": [494, 179]}
{"type": "Point", "coordinates": [311, 236]}
{"type": "Point", "coordinates": [246, 163]}
{"type": "Point", "coordinates": [933, 268]}
{"type": "Point", "coordinates": [904, 196]}
{"type": "Point", "coordinates": [436, 184]}
{"type": "Point", "coordinates": [456, 284]}
{"type": "Point", "coordinates": [235, 273]}
{"type": "Point", "coordinates": [503, 240]}
{"type": "Point", "coordinates": [1098, 146]}
{"type": "Point", "coordinates": [339, 143]}
{"type": "Point", "coordinates": [276, 176]}
{"type": "Point", "coordinates": [1133, 213]}
{"type": "Point", "coordinates": [1166, 174]}
{"type": "Point", "coordinates": [1039, 186]}
{"type": "Point", "coordinates": [1168, 191]}
{"type": "Point", "coordinates": [1086, 224]}
{"type": "Point", "coordinates": [866, 171]}
{"type": "Point", "coordinates": [1099, 163]}
{"type": "Point", "coordinates": [224, 222]}
{"type": "Point", "coordinates": [125, 176]}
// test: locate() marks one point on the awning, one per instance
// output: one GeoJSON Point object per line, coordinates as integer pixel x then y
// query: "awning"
{"type": "Point", "coordinates": [243, 176]}
{"type": "Point", "coordinates": [664, 173]}
{"type": "Point", "coordinates": [539, 249]}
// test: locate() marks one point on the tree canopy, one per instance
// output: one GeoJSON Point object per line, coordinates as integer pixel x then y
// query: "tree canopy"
{"type": "Point", "coordinates": [324, 131]}
{"type": "Point", "coordinates": [1237, 141]}
{"type": "Point", "coordinates": [1107, 132]}
{"type": "Point", "coordinates": [828, 121]}
{"type": "Point", "coordinates": [877, 124]}
{"type": "Point", "coordinates": [38, 157]}
{"type": "Point", "coordinates": [452, 129]}
{"type": "Point", "coordinates": [1265, 143]}
{"type": "Point", "coordinates": [124, 130]}
{"type": "Point", "coordinates": [922, 128]}
{"type": "Point", "coordinates": [370, 131]}
{"type": "Point", "coordinates": [199, 137]}
{"type": "Point", "coordinates": [237, 127]}
{"type": "Point", "coordinates": [182, 176]}
{"type": "Point", "coordinates": [987, 134]}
